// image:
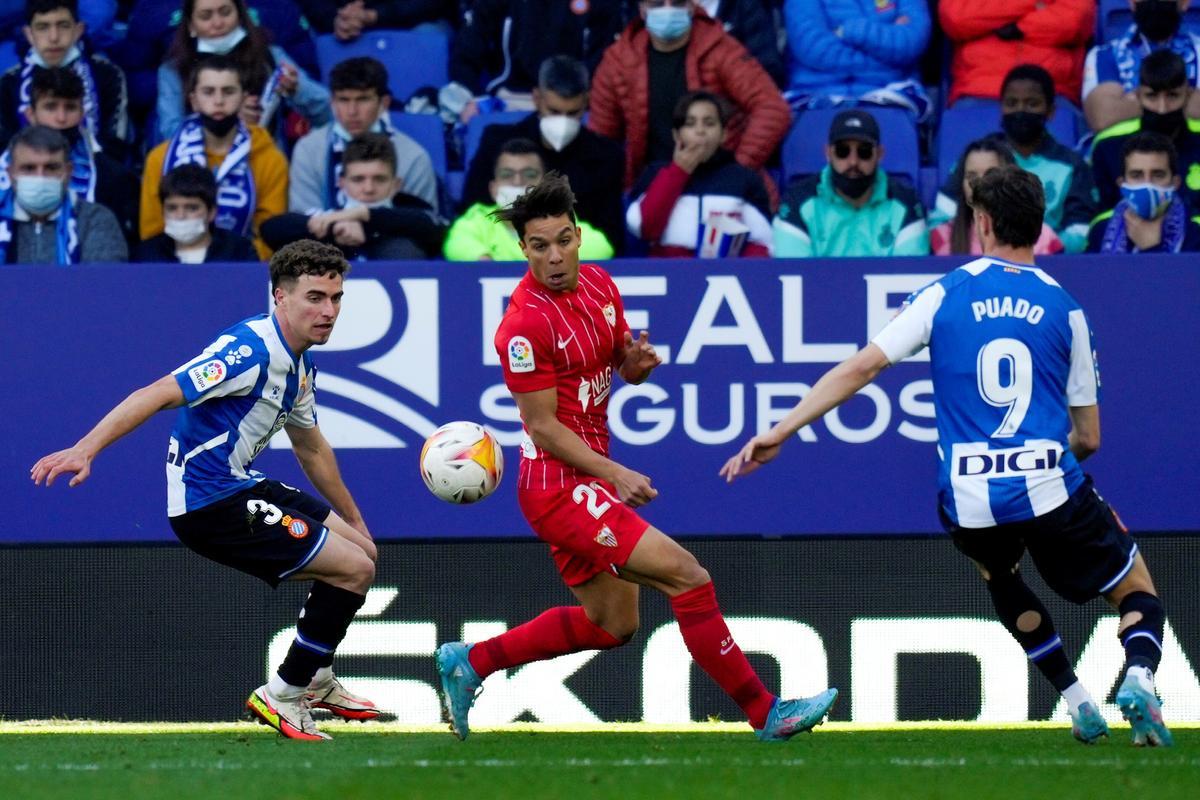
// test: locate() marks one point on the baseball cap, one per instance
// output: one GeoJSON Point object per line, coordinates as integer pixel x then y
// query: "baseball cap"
{"type": "Point", "coordinates": [854, 124]}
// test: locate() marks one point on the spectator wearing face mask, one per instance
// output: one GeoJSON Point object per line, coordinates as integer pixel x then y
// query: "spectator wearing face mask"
{"type": "Point", "coordinates": [1150, 217]}
{"type": "Point", "coordinates": [478, 236]}
{"type": "Point", "coordinates": [43, 223]}
{"type": "Point", "coordinates": [188, 195]}
{"type": "Point", "coordinates": [1110, 77]}
{"type": "Point", "coordinates": [1164, 94]}
{"type": "Point", "coordinates": [1026, 104]}
{"type": "Point", "coordinates": [594, 164]}
{"type": "Point", "coordinates": [852, 208]}
{"type": "Point", "coordinates": [374, 219]}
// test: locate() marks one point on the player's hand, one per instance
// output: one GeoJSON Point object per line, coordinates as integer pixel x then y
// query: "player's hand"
{"type": "Point", "coordinates": [72, 461]}
{"type": "Point", "coordinates": [633, 488]}
{"type": "Point", "coordinates": [349, 233]}
{"type": "Point", "coordinates": [758, 451]}
{"type": "Point", "coordinates": [640, 356]}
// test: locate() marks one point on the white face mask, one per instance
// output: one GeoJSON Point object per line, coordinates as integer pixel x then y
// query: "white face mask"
{"type": "Point", "coordinates": [506, 193]}
{"type": "Point", "coordinates": [39, 194]}
{"type": "Point", "coordinates": [559, 130]}
{"type": "Point", "coordinates": [221, 45]}
{"type": "Point", "coordinates": [67, 60]}
{"type": "Point", "coordinates": [352, 203]}
{"type": "Point", "coordinates": [186, 231]}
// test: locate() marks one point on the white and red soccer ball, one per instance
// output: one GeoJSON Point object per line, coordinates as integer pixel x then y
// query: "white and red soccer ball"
{"type": "Point", "coordinates": [461, 462]}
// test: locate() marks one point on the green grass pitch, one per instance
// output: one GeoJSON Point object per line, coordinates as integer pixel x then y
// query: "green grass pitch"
{"type": "Point", "coordinates": [620, 761]}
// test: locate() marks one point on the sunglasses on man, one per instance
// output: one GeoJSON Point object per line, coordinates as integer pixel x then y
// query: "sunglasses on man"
{"type": "Point", "coordinates": [865, 150]}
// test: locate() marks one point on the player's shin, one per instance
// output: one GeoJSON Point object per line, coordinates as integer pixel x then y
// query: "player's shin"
{"type": "Point", "coordinates": [712, 647]}
{"type": "Point", "coordinates": [552, 633]}
{"type": "Point", "coordinates": [322, 626]}
{"type": "Point", "coordinates": [1029, 622]}
{"type": "Point", "coordinates": [1141, 631]}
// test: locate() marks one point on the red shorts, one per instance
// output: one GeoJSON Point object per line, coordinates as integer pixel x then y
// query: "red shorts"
{"type": "Point", "coordinates": [588, 529]}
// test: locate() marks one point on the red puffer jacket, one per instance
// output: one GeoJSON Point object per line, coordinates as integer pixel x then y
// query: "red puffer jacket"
{"type": "Point", "coordinates": [716, 62]}
{"type": "Point", "coordinates": [1054, 34]}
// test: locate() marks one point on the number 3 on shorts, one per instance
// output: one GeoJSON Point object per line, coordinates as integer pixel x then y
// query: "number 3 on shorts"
{"type": "Point", "coordinates": [271, 513]}
{"type": "Point", "coordinates": [588, 492]}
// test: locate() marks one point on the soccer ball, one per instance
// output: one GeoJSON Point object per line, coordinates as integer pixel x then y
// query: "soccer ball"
{"type": "Point", "coordinates": [461, 462]}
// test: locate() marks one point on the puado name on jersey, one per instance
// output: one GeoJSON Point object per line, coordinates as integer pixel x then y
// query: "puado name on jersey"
{"type": "Point", "coordinates": [596, 388]}
{"type": "Point", "coordinates": [995, 307]}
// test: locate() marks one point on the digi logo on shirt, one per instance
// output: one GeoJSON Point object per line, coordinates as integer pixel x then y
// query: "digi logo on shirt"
{"type": "Point", "coordinates": [520, 354]}
{"type": "Point", "coordinates": [205, 376]}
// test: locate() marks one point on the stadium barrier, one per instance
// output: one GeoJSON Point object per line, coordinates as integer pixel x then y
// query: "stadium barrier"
{"type": "Point", "coordinates": [742, 342]}
{"type": "Point", "coordinates": [902, 625]}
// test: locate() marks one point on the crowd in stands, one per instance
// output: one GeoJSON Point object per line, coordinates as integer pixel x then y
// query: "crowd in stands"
{"type": "Point", "coordinates": [198, 131]}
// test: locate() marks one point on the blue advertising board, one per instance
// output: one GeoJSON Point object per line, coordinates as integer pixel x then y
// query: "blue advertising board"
{"type": "Point", "coordinates": [741, 341]}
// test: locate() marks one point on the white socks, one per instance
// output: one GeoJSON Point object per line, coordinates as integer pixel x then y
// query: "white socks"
{"type": "Point", "coordinates": [283, 690]}
{"type": "Point", "coordinates": [324, 675]}
{"type": "Point", "coordinates": [1076, 695]}
{"type": "Point", "coordinates": [1143, 676]}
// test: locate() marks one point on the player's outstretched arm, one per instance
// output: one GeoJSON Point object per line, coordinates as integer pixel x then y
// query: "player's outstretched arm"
{"type": "Point", "coordinates": [316, 458]}
{"type": "Point", "coordinates": [640, 359]}
{"type": "Point", "coordinates": [539, 411]}
{"type": "Point", "coordinates": [125, 417]}
{"type": "Point", "coordinates": [834, 388]}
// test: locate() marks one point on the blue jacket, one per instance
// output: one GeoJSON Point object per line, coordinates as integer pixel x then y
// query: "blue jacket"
{"type": "Point", "coordinates": [871, 52]}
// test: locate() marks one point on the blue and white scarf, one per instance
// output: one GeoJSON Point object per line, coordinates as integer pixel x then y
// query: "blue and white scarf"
{"type": "Point", "coordinates": [236, 196]}
{"type": "Point", "coordinates": [270, 98]}
{"type": "Point", "coordinates": [83, 168]}
{"type": "Point", "coordinates": [1174, 226]}
{"type": "Point", "coordinates": [1130, 49]}
{"type": "Point", "coordinates": [66, 232]}
{"type": "Point", "coordinates": [83, 68]}
{"type": "Point", "coordinates": [335, 198]}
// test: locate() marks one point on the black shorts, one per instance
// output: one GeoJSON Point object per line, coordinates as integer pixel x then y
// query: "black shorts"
{"type": "Point", "coordinates": [1081, 548]}
{"type": "Point", "coordinates": [269, 531]}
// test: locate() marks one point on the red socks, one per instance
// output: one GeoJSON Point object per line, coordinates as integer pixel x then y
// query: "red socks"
{"type": "Point", "coordinates": [712, 647]}
{"type": "Point", "coordinates": [556, 632]}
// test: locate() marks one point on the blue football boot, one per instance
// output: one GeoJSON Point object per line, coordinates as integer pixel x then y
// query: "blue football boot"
{"type": "Point", "coordinates": [460, 684]}
{"type": "Point", "coordinates": [789, 717]}
{"type": "Point", "coordinates": [1087, 725]}
{"type": "Point", "coordinates": [1143, 709]}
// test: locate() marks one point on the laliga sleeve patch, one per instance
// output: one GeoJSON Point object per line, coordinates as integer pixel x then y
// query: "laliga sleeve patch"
{"type": "Point", "coordinates": [207, 375]}
{"type": "Point", "coordinates": [520, 354]}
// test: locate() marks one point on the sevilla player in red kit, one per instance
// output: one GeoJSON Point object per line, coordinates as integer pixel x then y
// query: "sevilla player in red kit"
{"type": "Point", "coordinates": [561, 342]}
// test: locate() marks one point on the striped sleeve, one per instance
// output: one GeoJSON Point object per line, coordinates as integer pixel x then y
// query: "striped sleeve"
{"type": "Point", "coordinates": [1083, 381]}
{"type": "Point", "coordinates": [909, 331]}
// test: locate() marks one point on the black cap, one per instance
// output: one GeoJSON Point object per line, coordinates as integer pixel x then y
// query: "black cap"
{"type": "Point", "coordinates": [854, 124]}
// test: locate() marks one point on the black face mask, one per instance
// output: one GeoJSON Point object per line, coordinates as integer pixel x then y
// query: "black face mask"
{"type": "Point", "coordinates": [855, 187]}
{"type": "Point", "coordinates": [1158, 20]}
{"type": "Point", "coordinates": [218, 127]}
{"type": "Point", "coordinates": [1167, 124]}
{"type": "Point", "coordinates": [1023, 127]}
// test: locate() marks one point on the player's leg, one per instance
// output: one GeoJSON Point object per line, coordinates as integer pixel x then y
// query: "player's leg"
{"type": "Point", "coordinates": [343, 529]}
{"type": "Point", "coordinates": [997, 554]}
{"type": "Point", "coordinates": [662, 563]}
{"type": "Point", "coordinates": [1140, 631]}
{"type": "Point", "coordinates": [606, 618]}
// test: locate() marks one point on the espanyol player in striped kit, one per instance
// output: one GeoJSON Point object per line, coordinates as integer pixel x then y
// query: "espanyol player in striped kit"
{"type": "Point", "coordinates": [561, 341]}
{"type": "Point", "coordinates": [1016, 392]}
{"type": "Point", "coordinates": [256, 378]}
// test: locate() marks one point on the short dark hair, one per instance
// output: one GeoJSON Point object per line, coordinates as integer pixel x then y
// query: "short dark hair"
{"type": "Point", "coordinates": [680, 112]}
{"type": "Point", "coordinates": [41, 139]}
{"type": "Point", "coordinates": [363, 72]}
{"type": "Point", "coordinates": [55, 82]}
{"type": "Point", "coordinates": [370, 147]}
{"type": "Point", "coordinates": [189, 180]}
{"type": "Point", "coordinates": [215, 63]}
{"type": "Point", "coordinates": [563, 75]}
{"type": "Point", "coordinates": [1163, 70]}
{"type": "Point", "coordinates": [305, 257]}
{"type": "Point", "coordinates": [1034, 73]}
{"type": "Point", "coordinates": [549, 197]}
{"type": "Point", "coordinates": [1015, 201]}
{"type": "Point", "coordinates": [1149, 142]}
{"type": "Point", "coordinates": [46, 6]}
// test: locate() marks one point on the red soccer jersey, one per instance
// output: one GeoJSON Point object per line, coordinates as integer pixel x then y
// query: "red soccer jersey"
{"type": "Point", "coordinates": [570, 340]}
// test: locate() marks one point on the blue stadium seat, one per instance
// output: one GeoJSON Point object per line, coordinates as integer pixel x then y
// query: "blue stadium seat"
{"type": "Point", "coordinates": [413, 58]}
{"type": "Point", "coordinates": [479, 122]}
{"type": "Point", "coordinates": [8, 55]}
{"type": "Point", "coordinates": [973, 118]}
{"type": "Point", "coordinates": [1113, 18]}
{"type": "Point", "coordinates": [428, 131]}
{"type": "Point", "coordinates": [804, 147]}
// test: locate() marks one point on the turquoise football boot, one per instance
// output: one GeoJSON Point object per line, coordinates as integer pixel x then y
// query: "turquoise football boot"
{"type": "Point", "coordinates": [1144, 711]}
{"type": "Point", "coordinates": [789, 717]}
{"type": "Point", "coordinates": [1087, 725]}
{"type": "Point", "coordinates": [460, 684]}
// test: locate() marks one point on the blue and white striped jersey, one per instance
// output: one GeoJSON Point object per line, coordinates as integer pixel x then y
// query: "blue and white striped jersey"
{"type": "Point", "coordinates": [1010, 351]}
{"type": "Point", "coordinates": [240, 392]}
